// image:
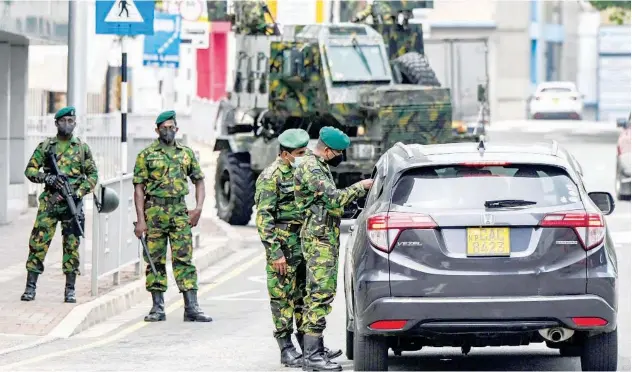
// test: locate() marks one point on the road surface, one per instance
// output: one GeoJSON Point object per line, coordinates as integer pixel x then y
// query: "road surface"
{"type": "Point", "coordinates": [240, 338]}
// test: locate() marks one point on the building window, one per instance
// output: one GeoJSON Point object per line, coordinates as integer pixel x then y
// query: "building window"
{"type": "Point", "coordinates": [533, 68]}
{"type": "Point", "coordinates": [553, 61]}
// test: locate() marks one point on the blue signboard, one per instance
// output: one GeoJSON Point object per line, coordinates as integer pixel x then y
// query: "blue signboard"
{"type": "Point", "coordinates": [125, 17]}
{"type": "Point", "coordinates": [162, 49]}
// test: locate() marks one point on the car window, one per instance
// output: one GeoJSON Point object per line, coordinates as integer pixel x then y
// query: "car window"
{"type": "Point", "coordinates": [376, 189]}
{"type": "Point", "coordinates": [468, 187]}
{"type": "Point", "coordinates": [556, 90]}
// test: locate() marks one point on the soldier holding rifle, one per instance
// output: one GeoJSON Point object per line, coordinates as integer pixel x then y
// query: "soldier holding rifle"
{"type": "Point", "coordinates": [160, 185]}
{"type": "Point", "coordinates": [65, 165]}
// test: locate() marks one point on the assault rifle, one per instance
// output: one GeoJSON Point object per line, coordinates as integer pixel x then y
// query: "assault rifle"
{"type": "Point", "coordinates": [143, 241]}
{"type": "Point", "coordinates": [67, 193]}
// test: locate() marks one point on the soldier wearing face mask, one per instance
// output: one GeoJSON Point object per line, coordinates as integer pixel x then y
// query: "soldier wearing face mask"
{"type": "Point", "coordinates": [78, 168]}
{"type": "Point", "coordinates": [279, 223]}
{"type": "Point", "coordinates": [160, 185]}
{"type": "Point", "coordinates": [323, 205]}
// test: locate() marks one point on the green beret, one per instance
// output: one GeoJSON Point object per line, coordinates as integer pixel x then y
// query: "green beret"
{"type": "Point", "coordinates": [167, 115]}
{"type": "Point", "coordinates": [66, 111]}
{"type": "Point", "coordinates": [294, 138]}
{"type": "Point", "coordinates": [334, 138]}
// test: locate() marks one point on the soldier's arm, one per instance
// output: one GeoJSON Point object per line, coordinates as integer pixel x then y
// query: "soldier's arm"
{"type": "Point", "coordinates": [32, 171]}
{"type": "Point", "coordinates": [196, 175]}
{"type": "Point", "coordinates": [362, 15]}
{"type": "Point", "coordinates": [325, 189]}
{"type": "Point", "coordinates": [266, 198]}
{"type": "Point", "coordinates": [91, 172]}
{"type": "Point", "coordinates": [141, 174]}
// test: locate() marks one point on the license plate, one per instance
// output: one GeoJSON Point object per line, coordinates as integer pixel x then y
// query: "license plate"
{"type": "Point", "coordinates": [363, 151]}
{"type": "Point", "coordinates": [488, 241]}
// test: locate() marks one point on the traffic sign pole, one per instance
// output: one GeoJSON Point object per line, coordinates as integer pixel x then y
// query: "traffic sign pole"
{"type": "Point", "coordinates": [124, 101]}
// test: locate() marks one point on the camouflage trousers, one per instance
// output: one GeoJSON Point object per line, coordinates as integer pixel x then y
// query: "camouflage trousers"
{"type": "Point", "coordinates": [287, 291]}
{"type": "Point", "coordinates": [169, 223]}
{"type": "Point", "coordinates": [49, 213]}
{"type": "Point", "coordinates": [320, 250]}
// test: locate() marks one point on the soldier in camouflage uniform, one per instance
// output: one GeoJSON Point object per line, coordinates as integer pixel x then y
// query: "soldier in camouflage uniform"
{"type": "Point", "coordinates": [160, 185]}
{"type": "Point", "coordinates": [250, 17]}
{"type": "Point", "coordinates": [279, 223]}
{"type": "Point", "coordinates": [323, 204]}
{"type": "Point", "coordinates": [380, 12]}
{"type": "Point", "coordinates": [77, 166]}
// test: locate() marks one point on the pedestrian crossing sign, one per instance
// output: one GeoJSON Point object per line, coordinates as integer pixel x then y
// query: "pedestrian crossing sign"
{"type": "Point", "coordinates": [124, 17]}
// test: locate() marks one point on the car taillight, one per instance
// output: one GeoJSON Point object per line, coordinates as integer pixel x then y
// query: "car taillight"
{"type": "Point", "coordinates": [589, 227]}
{"type": "Point", "coordinates": [384, 228]}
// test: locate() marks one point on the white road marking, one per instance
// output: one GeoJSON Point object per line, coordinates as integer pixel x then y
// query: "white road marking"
{"type": "Point", "coordinates": [258, 279]}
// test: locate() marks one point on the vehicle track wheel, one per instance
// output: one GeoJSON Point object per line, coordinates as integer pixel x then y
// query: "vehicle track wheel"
{"type": "Point", "coordinates": [370, 353]}
{"type": "Point", "coordinates": [234, 189]}
{"type": "Point", "coordinates": [349, 342]}
{"type": "Point", "coordinates": [600, 352]}
{"type": "Point", "coordinates": [415, 69]}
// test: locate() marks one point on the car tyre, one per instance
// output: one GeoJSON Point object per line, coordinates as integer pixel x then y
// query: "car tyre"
{"type": "Point", "coordinates": [618, 187]}
{"type": "Point", "coordinates": [349, 342]}
{"type": "Point", "coordinates": [370, 353]}
{"type": "Point", "coordinates": [234, 189]}
{"type": "Point", "coordinates": [600, 352]}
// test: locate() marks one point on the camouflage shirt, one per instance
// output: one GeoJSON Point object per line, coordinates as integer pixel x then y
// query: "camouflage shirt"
{"type": "Point", "coordinates": [380, 11]}
{"type": "Point", "coordinates": [274, 198]}
{"type": "Point", "coordinates": [164, 170]}
{"type": "Point", "coordinates": [251, 18]}
{"type": "Point", "coordinates": [314, 185]}
{"type": "Point", "coordinates": [82, 173]}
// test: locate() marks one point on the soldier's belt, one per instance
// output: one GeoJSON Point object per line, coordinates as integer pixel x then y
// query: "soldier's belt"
{"type": "Point", "coordinates": [291, 227]}
{"type": "Point", "coordinates": [164, 201]}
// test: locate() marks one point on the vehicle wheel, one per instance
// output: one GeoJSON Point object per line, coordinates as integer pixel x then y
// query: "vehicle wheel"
{"type": "Point", "coordinates": [570, 350]}
{"type": "Point", "coordinates": [617, 187]}
{"type": "Point", "coordinates": [415, 69]}
{"type": "Point", "coordinates": [600, 353]}
{"type": "Point", "coordinates": [370, 353]}
{"type": "Point", "coordinates": [349, 342]}
{"type": "Point", "coordinates": [234, 189]}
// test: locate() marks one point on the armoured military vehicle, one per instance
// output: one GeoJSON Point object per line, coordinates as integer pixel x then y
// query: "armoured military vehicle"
{"type": "Point", "coordinates": [313, 76]}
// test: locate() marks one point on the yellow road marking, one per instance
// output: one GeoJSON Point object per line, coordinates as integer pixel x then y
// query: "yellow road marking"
{"type": "Point", "coordinates": [134, 327]}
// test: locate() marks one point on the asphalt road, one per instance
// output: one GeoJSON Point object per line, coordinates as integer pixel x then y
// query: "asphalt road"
{"type": "Point", "coordinates": [240, 338]}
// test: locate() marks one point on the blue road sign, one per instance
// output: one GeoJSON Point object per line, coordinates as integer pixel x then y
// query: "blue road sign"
{"type": "Point", "coordinates": [125, 17]}
{"type": "Point", "coordinates": [162, 49]}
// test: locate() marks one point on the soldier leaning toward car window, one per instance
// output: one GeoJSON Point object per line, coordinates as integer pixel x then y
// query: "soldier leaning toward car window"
{"type": "Point", "coordinates": [160, 186]}
{"type": "Point", "coordinates": [77, 167]}
{"type": "Point", "coordinates": [279, 223]}
{"type": "Point", "coordinates": [323, 204]}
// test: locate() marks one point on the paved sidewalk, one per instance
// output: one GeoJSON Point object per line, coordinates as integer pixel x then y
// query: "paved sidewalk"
{"type": "Point", "coordinates": [26, 321]}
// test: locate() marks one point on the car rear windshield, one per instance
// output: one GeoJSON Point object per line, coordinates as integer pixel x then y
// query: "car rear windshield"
{"type": "Point", "coordinates": [469, 187]}
{"type": "Point", "coordinates": [556, 90]}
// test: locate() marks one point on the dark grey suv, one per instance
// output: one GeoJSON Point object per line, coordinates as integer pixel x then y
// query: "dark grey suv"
{"type": "Point", "coordinates": [490, 245]}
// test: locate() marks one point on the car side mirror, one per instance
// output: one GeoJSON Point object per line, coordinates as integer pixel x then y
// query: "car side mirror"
{"type": "Point", "coordinates": [622, 123]}
{"type": "Point", "coordinates": [603, 200]}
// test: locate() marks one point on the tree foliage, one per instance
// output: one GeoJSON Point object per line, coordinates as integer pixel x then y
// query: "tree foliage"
{"type": "Point", "coordinates": [619, 10]}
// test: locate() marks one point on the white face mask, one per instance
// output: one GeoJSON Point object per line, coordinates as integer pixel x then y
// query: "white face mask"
{"type": "Point", "coordinates": [297, 162]}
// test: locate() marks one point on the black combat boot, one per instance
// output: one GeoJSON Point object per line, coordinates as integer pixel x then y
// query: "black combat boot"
{"type": "Point", "coordinates": [289, 356]}
{"type": "Point", "coordinates": [331, 354]}
{"type": "Point", "coordinates": [69, 293]}
{"type": "Point", "coordinates": [31, 281]}
{"type": "Point", "coordinates": [314, 356]}
{"type": "Point", "coordinates": [192, 311]}
{"type": "Point", "coordinates": [157, 312]}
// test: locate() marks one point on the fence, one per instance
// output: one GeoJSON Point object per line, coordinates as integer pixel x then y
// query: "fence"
{"type": "Point", "coordinates": [461, 65]}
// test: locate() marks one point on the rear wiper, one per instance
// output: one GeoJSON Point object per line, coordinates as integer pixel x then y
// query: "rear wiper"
{"type": "Point", "coordinates": [507, 203]}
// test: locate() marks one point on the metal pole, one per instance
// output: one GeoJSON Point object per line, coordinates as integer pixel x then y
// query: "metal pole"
{"type": "Point", "coordinates": [77, 74]}
{"type": "Point", "coordinates": [124, 101]}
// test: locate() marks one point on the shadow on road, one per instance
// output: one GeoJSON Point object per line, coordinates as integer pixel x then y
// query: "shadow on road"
{"type": "Point", "coordinates": [483, 362]}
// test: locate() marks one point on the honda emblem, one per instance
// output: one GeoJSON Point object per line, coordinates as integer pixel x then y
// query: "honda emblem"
{"type": "Point", "coordinates": [488, 219]}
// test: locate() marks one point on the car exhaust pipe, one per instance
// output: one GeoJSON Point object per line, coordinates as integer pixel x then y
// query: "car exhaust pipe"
{"type": "Point", "coordinates": [557, 334]}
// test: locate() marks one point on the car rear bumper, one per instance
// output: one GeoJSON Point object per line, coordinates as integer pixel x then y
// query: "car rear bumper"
{"type": "Point", "coordinates": [485, 314]}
